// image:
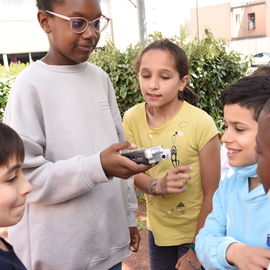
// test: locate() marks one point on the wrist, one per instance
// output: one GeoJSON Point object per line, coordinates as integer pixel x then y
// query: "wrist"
{"type": "Point", "coordinates": [152, 187]}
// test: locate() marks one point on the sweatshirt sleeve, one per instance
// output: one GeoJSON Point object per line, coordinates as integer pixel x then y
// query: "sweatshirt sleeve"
{"type": "Point", "coordinates": [48, 178]}
{"type": "Point", "coordinates": [132, 198]}
{"type": "Point", "coordinates": [132, 203]}
{"type": "Point", "coordinates": [211, 242]}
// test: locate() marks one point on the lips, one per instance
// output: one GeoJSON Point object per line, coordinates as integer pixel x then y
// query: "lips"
{"type": "Point", "coordinates": [153, 96]}
{"type": "Point", "coordinates": [232, 152]}
{"type": "Point", "coordinates": [86, 48]}
{"type": "Point", "coordinates": [21, 204]}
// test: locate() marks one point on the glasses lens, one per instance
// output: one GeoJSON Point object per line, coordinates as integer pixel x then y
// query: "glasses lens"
{"type": "Point", "coordinates": [100, 24]}
{"type": "Point", "coordinates": [78, 25]}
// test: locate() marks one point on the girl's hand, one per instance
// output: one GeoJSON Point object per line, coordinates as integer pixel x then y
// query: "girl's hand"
{"type": "Point", "coordinates": [248, 257]}
{"type": "Point", "coordinates": [188, 261]}
{"type": "Point", "coordinates": [172, 182]}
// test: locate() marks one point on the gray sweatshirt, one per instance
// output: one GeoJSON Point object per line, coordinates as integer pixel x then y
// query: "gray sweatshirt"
{"type": "Point", "coordinates": [76, 218]}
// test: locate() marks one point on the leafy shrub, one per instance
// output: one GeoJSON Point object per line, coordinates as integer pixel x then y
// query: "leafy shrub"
{"type": "Point", "coordinates": [14, 70]}
{"type": "Point", "coordinates": [213, 67]}
{"type": "Point", "coordinates": [5, 86]}
{"type": "Point", "coordinates": [120, 67]}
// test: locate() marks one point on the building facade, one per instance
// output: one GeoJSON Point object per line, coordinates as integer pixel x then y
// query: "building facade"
{"type": "Point", "coordinates": [245, 24]}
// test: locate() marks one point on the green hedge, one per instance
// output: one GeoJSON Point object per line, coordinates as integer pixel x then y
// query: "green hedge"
{"type": "Point", "coordinates": [5, 85]}
{"type": "Point", "coordinates": [213, 67]}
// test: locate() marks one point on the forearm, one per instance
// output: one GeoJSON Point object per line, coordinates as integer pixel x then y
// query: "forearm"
{"type": "Point", "coordinates": [142, 182]}
{"type": "Point", "coordinates": [56, 182]}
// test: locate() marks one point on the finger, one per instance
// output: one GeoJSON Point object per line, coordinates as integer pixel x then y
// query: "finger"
{"type": "Point", "coordinates": [121, 145]}
{"type": "Point", "coordinates": [178, 185]}
{"type": "Point", "coordinates": [176, 190]}
{"type": "Point", "coordinates": [182, 169]}
{"type": "Point", "coordinates": [135, 243]}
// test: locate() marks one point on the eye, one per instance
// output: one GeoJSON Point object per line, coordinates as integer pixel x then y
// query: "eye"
{"type": "Point", "coordinates": [165, 77]}
{"type": "Point", "coordinates": [239, 129]}
{"type": "Point", "coordinates": [96, 24]}
{"type": "Point", "coordinates": [11, 180]}
{"type": "Point", "coordinates": [145, 76]}
{"type": "Point", "coordinates": [78, 24]}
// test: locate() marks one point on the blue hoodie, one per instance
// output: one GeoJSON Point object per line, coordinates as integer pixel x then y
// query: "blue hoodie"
{"type": "Point", "coordinates": [238, 216]}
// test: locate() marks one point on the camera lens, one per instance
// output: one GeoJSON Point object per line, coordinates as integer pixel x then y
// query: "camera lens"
{"type": "Point", "coordinates": [163, 156]}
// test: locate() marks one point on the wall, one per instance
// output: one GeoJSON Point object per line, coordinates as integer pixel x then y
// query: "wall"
{"type": "Point", "coordinates": [241, 29]}
{"type": "Point", "coordinates": [216, 17]}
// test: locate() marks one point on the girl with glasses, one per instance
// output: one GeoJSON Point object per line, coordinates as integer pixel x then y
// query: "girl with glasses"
{"type": "Point", "coordinates": [80, 214]}
{"type": "Point", "coordinates": [167, 117]}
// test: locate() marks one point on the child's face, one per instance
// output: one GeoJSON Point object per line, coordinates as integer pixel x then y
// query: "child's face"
{"type": "Point", "coordinates": [13, 190]}
{"type": "Point", "coordinates": [67, 47]}
{"type": "Point", "coordinates": [159, 79]}
{"type": "Point", "coordinates": [240, 134]}
{"type": "Point", "coordinates": [263, 150]}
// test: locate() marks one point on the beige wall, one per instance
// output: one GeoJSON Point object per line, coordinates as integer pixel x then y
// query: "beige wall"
{"type": "Point", "coordinates": [217, 18]}
{"type": "Point", "coordinates": [221, 19]}
{"type": "Point", "coordinates": [267, 18]}
{"type": "Point", "coordinates": [240, 29]}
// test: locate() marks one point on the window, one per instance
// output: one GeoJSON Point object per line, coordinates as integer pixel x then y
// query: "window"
{"type": "Point", "coordinates": [251, 21]}
{"type": "Point", "coordinates": [237, 18]}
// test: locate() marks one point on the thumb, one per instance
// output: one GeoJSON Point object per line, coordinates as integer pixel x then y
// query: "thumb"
{"type": "Point", "coordinates": [123, 145]}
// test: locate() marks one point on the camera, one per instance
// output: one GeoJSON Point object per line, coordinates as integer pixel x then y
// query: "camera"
{"type": "Point", "coordinates": [147, 156]}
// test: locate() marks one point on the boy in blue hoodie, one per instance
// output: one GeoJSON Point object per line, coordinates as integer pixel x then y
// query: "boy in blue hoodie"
{"type": "Point", "coordinates": [235, 233]}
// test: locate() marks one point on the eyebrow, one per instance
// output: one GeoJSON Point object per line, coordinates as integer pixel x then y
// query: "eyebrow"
{"type": "Point", "coordinates": [162, 70]}
{"type": "Point", "coordinates": [78, 14]}
{"type": "Point", "coordinates": [13, 168]}
{"type": "Point", "coordinates": [235, 122]}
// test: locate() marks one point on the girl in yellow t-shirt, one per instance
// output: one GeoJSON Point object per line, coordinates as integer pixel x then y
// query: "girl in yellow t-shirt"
{"type": "Point", "coordinates": [175, 211]}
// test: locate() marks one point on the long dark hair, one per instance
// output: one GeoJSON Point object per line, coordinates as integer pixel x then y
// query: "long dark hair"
{"type": "Point", "coordinates": [181, 64]}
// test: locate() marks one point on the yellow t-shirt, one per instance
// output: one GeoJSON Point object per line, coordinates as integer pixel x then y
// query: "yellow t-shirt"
{"type": "Point", "coordinates": [173, 218]}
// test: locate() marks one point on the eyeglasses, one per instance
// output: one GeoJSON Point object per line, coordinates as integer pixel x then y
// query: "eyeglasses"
{"type": "Point", "coordinates": [79, 24]}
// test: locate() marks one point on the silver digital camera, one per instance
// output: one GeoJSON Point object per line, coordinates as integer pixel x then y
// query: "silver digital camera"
{"type": "Point", "coordinates": [147, 156]}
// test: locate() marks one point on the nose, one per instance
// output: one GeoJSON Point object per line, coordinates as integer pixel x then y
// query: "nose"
{"type": "Point", "coordinates": [153, 84]}
{"type": "Point", "coordinates": [25, 187]}
{"type": "Point", "coordinates": [226, 137]}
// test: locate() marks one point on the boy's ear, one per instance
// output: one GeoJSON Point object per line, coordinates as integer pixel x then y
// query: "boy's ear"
{"type": "Point", "coordinates": [43, 19]}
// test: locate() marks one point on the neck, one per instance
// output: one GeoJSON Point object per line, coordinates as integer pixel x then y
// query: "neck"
{"type": "Point", "coordinates": [3, 246]}
{"type": "Point", "coordinates": [253, 183]}
{"type": "Point", "coordinates": [158, 116]}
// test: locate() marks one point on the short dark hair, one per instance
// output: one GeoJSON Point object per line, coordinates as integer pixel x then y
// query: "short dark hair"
{"type": "Point", "coordinates": [250, 92]}
{"type": "Point", "coordinates": [48, 4]}
{"type": "Point", "coordinates": [261, 70]}
{"type": "Point", "coordinates": [11, 145]}
{"type": "Point", "coordinates": [181, 64]}
{"type": "Point", "coordinates": [266, 108]}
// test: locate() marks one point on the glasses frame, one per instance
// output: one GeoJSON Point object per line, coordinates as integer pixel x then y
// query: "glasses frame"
{"type": "Point", "coordinates": [87, 21]}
